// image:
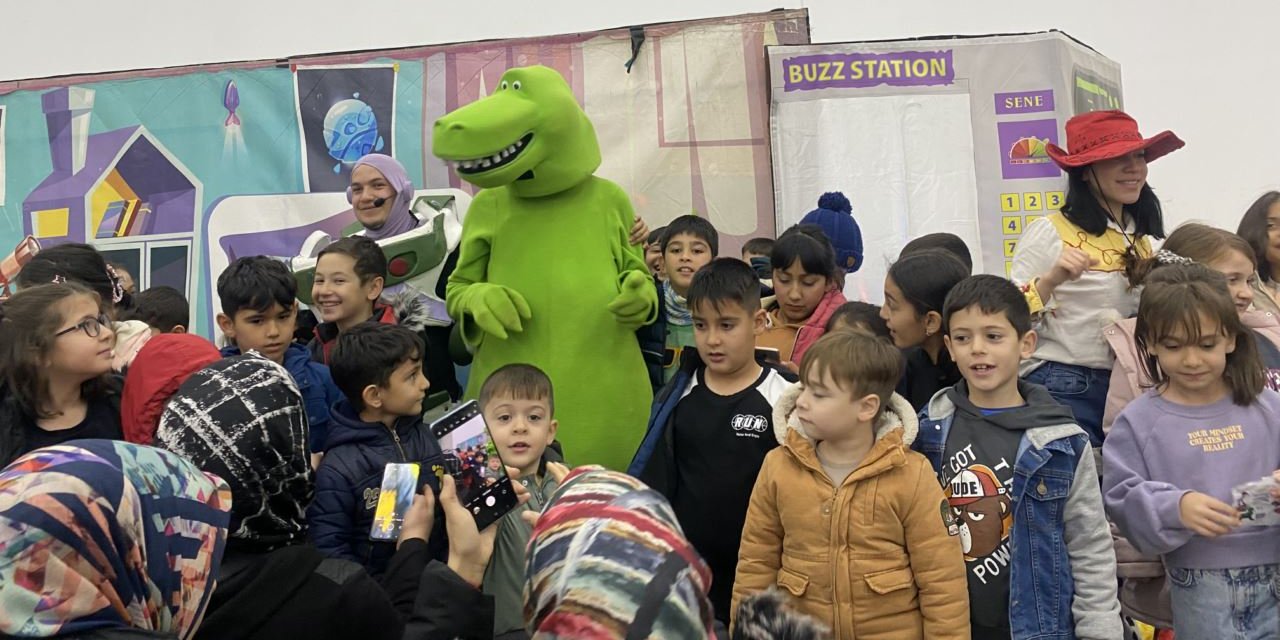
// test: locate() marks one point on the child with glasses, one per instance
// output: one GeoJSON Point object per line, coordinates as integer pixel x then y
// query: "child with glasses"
{"type": "Point", "coordinates": [56, 346]}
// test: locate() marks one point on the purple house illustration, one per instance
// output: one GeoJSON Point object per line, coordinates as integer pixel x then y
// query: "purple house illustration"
{"type": "Point", "coordinates": [120, 190]}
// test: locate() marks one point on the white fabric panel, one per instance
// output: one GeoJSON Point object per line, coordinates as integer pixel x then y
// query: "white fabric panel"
{"type": "Point", "coordinates": [904, 161]}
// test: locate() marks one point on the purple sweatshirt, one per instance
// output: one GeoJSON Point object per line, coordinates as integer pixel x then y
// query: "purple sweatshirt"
{"type": "Point", "coordinates": [1158, 451]}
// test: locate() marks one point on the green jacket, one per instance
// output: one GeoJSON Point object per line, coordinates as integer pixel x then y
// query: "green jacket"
{"type": "Point", "coordinates": [504, 579]}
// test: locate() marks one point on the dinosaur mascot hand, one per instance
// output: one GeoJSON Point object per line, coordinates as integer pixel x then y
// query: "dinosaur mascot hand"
{"type": "Point", "coordinates": [496, 309]}
{"type": "Point", "coordinates": [635, 305]}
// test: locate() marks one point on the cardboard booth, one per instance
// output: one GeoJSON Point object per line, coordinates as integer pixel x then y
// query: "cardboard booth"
{"type": "Point", "coordinates": [931, 134]}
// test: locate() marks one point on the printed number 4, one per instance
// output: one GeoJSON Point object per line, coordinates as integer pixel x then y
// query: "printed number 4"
{"type": "Point", "coordinates": [1013, 225]}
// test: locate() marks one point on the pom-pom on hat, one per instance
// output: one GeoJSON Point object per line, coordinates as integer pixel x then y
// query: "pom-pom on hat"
{"type": "Point", "coordinates": [835, 215]}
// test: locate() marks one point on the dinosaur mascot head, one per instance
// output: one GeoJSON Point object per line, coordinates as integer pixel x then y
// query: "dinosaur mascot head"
{"type": "Point", "coordinates": [530, 133]}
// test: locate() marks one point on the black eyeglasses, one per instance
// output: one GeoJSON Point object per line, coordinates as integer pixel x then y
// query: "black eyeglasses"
{"type": "Point", "coordinates": [91, 326]}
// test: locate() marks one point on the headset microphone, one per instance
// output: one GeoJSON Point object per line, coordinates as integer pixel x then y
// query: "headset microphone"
{"type": "Point", "coordinates": [379, 202]}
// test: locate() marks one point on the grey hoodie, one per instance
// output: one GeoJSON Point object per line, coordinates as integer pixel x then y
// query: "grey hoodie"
{"type": "Point", "coordinates": [1041, 410]}
{"type": "Point", "coordinates": [1095, 608]}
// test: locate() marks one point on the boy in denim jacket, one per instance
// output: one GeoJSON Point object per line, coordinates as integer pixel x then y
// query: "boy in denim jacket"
{"type": "Point", "coordinates": [1020, 480]}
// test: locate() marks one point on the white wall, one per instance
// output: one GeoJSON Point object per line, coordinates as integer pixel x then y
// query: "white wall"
{"type": "Point", "coordinates": [1208, 70]}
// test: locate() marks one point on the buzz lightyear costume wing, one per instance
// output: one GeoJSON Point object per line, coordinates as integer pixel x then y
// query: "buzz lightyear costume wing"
{"type": "Point", "coordinates": [415, 259]}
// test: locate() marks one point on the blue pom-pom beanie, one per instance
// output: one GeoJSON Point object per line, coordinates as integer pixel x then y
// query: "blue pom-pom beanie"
{"type": "Point", "coordinates": [835, 215]}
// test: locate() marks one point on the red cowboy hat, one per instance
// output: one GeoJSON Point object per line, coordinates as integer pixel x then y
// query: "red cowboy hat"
{"type": "Point", "coordinates": [1102, 135]}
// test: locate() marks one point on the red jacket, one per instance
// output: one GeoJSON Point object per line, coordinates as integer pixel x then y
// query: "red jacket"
{"type": "Point", "coordinates": [327, 332]}
{"type": "Point", "coordinates": [163, 364]}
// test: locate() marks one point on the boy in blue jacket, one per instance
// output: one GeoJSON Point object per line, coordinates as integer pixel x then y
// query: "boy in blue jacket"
{"type": "Point", "coordinates": [378, 367]}
{"type": "Point", "coordinates": [259, 309]}
{"type": "Point", "coordinates": [1020, 481]}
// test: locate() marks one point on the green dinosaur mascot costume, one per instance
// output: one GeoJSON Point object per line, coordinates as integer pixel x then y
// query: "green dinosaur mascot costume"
{"type": "Point", "coordinates": [545, 274]}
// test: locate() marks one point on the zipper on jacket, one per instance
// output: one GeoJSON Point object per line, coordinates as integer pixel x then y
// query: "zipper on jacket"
{"type": "Point", "coordinates": [830, 509]}
{"type": "Point", "coordinates": [395, 436]}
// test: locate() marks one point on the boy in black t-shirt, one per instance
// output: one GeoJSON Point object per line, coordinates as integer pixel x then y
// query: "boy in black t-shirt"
{"type": "Point", "coordinates": [1020, 481]}
{"type": "Point", "coordinates": [713, 423]}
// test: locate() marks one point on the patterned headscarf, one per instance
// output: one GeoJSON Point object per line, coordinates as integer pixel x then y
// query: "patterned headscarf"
{"type": "Point", "coordinates": [105, 534]}
{"type": "Point", "coordinates": [242, 418]}
{"type": "Point", "coordinates": [608, 560]}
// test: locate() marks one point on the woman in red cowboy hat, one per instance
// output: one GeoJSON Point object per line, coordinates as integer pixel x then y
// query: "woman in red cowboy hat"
{"type": "Point", "coordinates": [1073, 264]}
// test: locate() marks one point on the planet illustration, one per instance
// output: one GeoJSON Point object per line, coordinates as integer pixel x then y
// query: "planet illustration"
{"type": "Point", "coordinates": [351, 131]}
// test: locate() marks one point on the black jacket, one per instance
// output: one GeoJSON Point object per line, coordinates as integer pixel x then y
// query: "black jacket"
{"type": "Point", "coordinates": [653, 342]}
{"type": "Point", "coordinates": [296, 592]}
{"type": "Point", "coordinates": [349, 480]}
{"type": "Point", "coordinates": [16, 423]}
{"type": "Point", "coordinates": [923, 378]}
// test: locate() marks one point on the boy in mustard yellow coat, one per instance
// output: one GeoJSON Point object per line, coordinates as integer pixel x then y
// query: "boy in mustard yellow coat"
{"type": "Point", "coordinates": [844, 516]}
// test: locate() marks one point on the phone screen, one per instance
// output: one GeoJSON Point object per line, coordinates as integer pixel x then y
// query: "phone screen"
{"type": "Point", "coordinates": [399, 483]}
{"type": "Point", "coordinates": [767, 354]}
{"type": "Point", "coordinates": [472, 459]}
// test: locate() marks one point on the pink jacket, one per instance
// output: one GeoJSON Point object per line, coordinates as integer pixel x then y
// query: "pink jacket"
{"type": "Point", "coordinates": [816, 325]}
{"type": "Point", "coordinates": [1127, 379]}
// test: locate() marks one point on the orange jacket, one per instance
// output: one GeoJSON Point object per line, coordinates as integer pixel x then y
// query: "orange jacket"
{"type": "Point", "coordinates": [870, 558]}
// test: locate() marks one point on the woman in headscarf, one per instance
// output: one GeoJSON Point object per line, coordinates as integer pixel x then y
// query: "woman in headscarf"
{"type": "Point", "coordinates": [608, 561]}
{"type": "Point", "coordinates": [105, 539]}
{"type": "Point", "coordinates": [381, 196]}
{"type": "Point", "coordinates": [242, 418]}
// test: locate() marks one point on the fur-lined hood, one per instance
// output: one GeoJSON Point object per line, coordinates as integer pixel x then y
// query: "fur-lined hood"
{"type": "Point", "coordinates": [898, 414]}
{"type": "Point", "coordinates": [409, 311]}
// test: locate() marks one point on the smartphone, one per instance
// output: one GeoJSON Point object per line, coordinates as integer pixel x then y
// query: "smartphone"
{"type": "Point", "coordinates": [399, 484]}
{"type": "Point", "coordinates": [470, 456]}
{"type": "Point", "coordinates": [768, 354]}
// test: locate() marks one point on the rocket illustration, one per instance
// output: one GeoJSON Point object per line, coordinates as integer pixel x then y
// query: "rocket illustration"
{"type": "Point", "coordinates": [231, 100]}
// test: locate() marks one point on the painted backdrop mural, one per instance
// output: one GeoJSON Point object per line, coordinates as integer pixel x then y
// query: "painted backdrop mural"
{"type": "Point", "coordinates": [174, 171]}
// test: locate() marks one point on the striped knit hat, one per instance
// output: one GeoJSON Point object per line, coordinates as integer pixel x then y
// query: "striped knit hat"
{"type": "Point", "coordinates": [608, 560]}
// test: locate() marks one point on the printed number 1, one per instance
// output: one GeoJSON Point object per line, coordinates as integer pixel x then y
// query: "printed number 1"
{"type": "Point", "coordinates": [1009, 202]}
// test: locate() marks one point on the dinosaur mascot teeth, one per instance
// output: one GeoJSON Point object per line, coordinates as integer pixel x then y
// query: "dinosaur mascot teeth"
{"type": "Point", "coordinates": [545, 273]}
